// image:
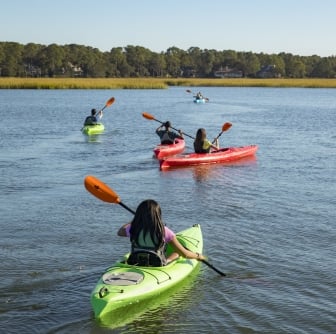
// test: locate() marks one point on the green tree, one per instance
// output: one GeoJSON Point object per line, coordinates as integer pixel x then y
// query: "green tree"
{"type": "Point", "coordinates": [118, 61]}
{"type": "Point", "coordinates": [138, 57]}
{"type": "Point", "coordinates": [250, 64]}
{"type": "Point", "coordinates": [11, 65]}
{"type": "Point", "coordinates": [51, 59]}
{"type": "Point", "coordinates": [173, 57]}
{"type": "Point", "coordinates": [157, 65]}
{"type": "Point", "coordinates": [30, 59]}
{"type": "Point", "coordinates": [325, 68]}
{"type": "Point", "coordinates": [294, 66]}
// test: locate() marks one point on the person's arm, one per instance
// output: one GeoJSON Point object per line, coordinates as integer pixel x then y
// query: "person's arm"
{"type": "Point", "coordinates": [159, 127]}
{"type": "Point", "coordinates": [178, 247]}
{"type": "Point", "coordinates": [99, 115]}
{"type": "Point", "coordinates": [209, 144]}
{"type": "Point", "coordinates": [180, 133]}
{"type": "Point", "coordinates": [122, 231]}
{"type": "Point", "coordinates": [215, 145]}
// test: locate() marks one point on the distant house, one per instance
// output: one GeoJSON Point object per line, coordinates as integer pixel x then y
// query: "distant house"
{"type": "Point", "coordinates": [188, 72]}
{"type": "Point", "coordinates": [32, 71]}
{"type": "Point", "coordinates": [228, 73]}
{"type": "Point", "coordinates": [268, 71]}
{"type": "Point", "coordinates": [76, 70]}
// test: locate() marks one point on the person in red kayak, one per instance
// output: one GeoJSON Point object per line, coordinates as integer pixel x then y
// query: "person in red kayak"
{"type": "Point", "coordinates": [149, 238]}
{"type": "Point", "coordinates": [166, 135]}
{"type": "Point", "coordinates": [202, 144]}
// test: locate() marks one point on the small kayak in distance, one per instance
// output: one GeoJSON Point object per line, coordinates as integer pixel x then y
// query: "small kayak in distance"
{"type": "Point", "coordinates": [123, 284]}
{"type": "Point", "coordinates": [223, 155]}
{"type": "Point", "coordinates": [166, 150]}
{"type": "Point", "coordinates": [93, 129]}
{"type": "Point", "coordinates": [200, 100]}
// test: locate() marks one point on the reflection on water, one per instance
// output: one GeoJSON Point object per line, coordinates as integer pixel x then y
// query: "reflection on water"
{"type": "Point", "coordinates": [93, 138]}
{"type": "Point", "coordinates": [206, 172]}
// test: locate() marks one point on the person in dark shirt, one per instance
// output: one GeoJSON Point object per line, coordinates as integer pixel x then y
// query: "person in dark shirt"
{"type": "Point", "coordinates": [93, 118]}
{"type": "Point", "coordinates": [166, 135]}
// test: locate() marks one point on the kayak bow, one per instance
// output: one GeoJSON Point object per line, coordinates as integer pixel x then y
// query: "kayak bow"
{"type": "Point", "coordinates": [165, 150]}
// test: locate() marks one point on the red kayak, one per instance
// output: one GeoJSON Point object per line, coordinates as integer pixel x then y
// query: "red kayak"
{"type": "Point", "coordinates": [227, 154]}
{"type": "Point", "coordinates": [166, 150]}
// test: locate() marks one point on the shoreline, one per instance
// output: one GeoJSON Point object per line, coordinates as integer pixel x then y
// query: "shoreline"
{"type": "Point", "coordinates": [158, 83]}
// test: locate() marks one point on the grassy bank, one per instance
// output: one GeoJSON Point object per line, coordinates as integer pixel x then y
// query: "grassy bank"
{"type": "Point", "coordinates": [156, 83]}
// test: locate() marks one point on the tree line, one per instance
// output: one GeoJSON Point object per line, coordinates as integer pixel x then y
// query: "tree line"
{"type": "Point", "coordinates": [73, 60]}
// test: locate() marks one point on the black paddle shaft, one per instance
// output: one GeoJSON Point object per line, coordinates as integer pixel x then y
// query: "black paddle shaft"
{"type": "Point", "coordinates": [212, 267]}
{"type": "Point", "coordinates": [175, 129]}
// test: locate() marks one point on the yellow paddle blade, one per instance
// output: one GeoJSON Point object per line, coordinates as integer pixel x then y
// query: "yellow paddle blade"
{"type": "Point", "coordinates": [148, 116]}
{"type": "Point", "coordinates": [226, 126]}
{"type": "Point", "coordinates": [100, 190]}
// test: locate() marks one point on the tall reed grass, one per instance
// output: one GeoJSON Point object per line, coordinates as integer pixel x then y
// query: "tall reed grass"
{"type": "Point", "coordinates": [156, 83]}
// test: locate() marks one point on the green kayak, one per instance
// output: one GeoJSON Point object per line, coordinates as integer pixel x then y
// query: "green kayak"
{"type": "Point", "coordinates": [122, 284]}
{"type": "Point", "coordinates": [93, 129]}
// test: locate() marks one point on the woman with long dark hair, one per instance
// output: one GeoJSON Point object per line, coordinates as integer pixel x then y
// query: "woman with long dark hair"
{"type": "Point", "coordinates": [149, 235]}
{"type": "Point", "coordinates": [202, 144]}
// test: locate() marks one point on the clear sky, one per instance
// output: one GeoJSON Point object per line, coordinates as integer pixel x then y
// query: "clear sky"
{"type": "Point", "coordinates": [300, 27]}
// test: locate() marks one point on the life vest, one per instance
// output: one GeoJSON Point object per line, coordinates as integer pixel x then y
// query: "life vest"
{"type": "Point", "coordinates": [90, 120]}
{"type": "Point", "coordinates": [166, 139]}
{"type": "Point", "coordinates": [202, 149]}
{"type": "Point", "coordinates": [146, 254]}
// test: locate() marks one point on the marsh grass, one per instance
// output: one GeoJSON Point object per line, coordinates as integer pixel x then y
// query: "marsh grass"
{"type": "Point", "coordinates": [156, 83]}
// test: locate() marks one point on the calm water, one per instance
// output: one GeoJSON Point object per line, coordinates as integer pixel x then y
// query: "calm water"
{"type": "Point", "coordinates": [269, 222]}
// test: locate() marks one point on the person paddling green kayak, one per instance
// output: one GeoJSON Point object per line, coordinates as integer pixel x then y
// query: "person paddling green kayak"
{"type": "Point", "coordinates": [92, 124]}
{"type": "Point", "coordinates": [93, 118]}
{"type": "Point", "coordinates": [149, 237]}
{"type": "Point", "coordinates": [155, 269]}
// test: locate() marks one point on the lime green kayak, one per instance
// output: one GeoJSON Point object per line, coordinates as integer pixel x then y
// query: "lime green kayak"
{"type": "Point", "coordinates": [122, 284]}
{"type": "Point", "coordinates": [93, 129]}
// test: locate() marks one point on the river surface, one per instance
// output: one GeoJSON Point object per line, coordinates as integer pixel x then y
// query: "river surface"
{"type": "Point", "coordinates": [268, 222]}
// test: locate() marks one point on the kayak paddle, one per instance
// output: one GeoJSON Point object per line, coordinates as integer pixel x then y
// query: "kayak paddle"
{"type": "Point", "coordinates": [107, 104]}
{"type": "Point", "coordinates": [226, 126]}
{"type": "Point", "coordinates": [103, 191]}
{"type": "Point", "coordinates": [151, 117]}
{"type": "Point", "coordinates": [212, 267]}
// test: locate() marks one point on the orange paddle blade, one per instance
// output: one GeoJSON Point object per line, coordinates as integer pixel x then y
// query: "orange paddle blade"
{"type": "Point", "coordinates": [100, 190]}
{"type": "Point", "coordinates": [148, 116]}
{"type": "Point", "coordinates": [226, 126]}
{"type": "Point", "coordinates": [109, 102]}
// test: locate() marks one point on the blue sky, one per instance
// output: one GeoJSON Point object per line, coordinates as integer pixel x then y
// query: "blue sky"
{"type": "Point", "coordinates": [300, 27]}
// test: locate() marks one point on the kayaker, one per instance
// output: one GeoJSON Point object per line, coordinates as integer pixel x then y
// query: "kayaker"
{"type": "Point", "coordinates": [199, 96]}
{"type": "Point", "coordinates": [149, 236]}
{"type": "Point", "coordinates": [93, 118]}
{"type": "Point", "coordinates": [167, 136]}
{"type": "Point", "coordinates": [202, 144]}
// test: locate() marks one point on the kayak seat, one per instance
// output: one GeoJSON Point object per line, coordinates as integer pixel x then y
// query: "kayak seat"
{"type": "Point", "coordinates": [145, 258]}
